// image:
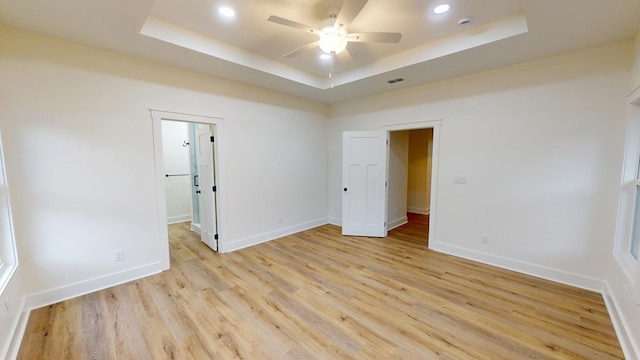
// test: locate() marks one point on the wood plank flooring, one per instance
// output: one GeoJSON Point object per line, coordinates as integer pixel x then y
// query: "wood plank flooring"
{"type": "Point", "coordinates": [318, 295]}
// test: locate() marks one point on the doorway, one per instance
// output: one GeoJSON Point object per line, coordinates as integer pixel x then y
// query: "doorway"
{"type": "Point", "coordinates": [434, 126]}
{"type": "Point", "coordinates": [367, 162]}
{"type": "Point", "coordinates": [195, 148]}
{"type": "Point", "coordinates": [410, 169]}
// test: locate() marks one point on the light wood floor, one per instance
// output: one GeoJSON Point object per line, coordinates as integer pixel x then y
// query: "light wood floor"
{"type": "Point", "coordinates": [318, 295]}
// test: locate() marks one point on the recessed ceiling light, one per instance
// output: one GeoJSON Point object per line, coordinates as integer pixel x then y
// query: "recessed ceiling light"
{"type": "Point", "coordinates": [441, 9]}
{"type": "Point", "coordinates": [226, 11]}
{"type": "Point", "coordinates": [325, 56]}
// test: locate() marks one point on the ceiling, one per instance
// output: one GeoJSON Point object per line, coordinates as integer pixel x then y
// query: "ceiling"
{"type": "Point", "coordinates": [247, 48]}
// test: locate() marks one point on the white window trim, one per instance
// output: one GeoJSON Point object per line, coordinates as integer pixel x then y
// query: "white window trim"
{"type": "Point", "coordinates": [635, 217]}
{"type": "Point", "coordinates": [629, 186]}
{"type": "Point", "coordinates": [8, 253]}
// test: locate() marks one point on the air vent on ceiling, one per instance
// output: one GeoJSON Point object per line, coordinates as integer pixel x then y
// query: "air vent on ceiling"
{"type": "Point", "coordinates": [464, 21]}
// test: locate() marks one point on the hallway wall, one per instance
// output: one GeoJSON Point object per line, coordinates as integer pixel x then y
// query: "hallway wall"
{"type": "Point", "coordinates": [177, 163]}
{"type": "Point", "coordinates": [419, 178]}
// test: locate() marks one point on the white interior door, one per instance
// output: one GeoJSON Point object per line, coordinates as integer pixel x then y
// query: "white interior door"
{"type": "Point", "coordinates": [206, 177]}
{"type": "Point", "coordinates": [364, 179]}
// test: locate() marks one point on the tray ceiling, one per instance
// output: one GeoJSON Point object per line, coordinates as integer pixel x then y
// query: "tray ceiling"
{"type": "Point", "coordinates": [247, 48]}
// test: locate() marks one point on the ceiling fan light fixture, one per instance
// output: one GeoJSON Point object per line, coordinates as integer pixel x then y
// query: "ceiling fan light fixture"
{"type": "Point", "coordinates": [333, 41]}
{"type": "Point", "coordinates": [332, 32]}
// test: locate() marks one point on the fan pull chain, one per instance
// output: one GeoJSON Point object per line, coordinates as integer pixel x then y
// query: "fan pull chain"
{"type": "Point", "coordinates": [333, 55]}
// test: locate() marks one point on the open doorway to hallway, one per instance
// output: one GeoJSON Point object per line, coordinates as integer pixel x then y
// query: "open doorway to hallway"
{"type": "Point", "coordinates": [195, 174]}
{"type": "Point", "coordinates": [410, 180]}
{"type": "Point", "coordinates": [190, 186]}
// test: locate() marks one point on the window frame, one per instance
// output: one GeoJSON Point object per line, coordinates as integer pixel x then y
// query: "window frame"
{"type": "Point", "coordinates": [8, 252]}
{"type": "Point", "coordinates": [634, 239]}
{"type": "Point", "coordinates": [629, 201]}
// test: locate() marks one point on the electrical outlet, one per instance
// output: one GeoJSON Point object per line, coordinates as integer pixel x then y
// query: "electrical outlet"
{"type": "Point", "coordinates": [280, 220]}
{"type": "Point", "coordinates": [484, 239]}
{"type": "Point", "coordinates": [118, 255]}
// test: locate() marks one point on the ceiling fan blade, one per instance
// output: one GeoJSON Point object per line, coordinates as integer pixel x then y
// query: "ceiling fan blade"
{"type": "Point", "coordinates": [375, 37]}
{"type": "Point", "coordinates": [300, 50]}
{"type": "Point", "coordinates": [349, 11]}
{"type": "Point", "coordinates": [293, 24]}
{"type": "Point", "coordinates": [344, 57]}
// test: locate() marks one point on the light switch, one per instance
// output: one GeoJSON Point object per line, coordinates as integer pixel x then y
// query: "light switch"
{"type": "Point", "coordinates": [460, 180]}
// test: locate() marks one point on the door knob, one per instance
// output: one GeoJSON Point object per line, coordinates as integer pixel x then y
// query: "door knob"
{"type": "Point", "coordinates": [345, 189]}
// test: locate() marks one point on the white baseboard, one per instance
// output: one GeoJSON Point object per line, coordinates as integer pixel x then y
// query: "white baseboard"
{"type": "Point", "coordinates": [418, 210]}
{"type": "Point", "coordinates": [564, 277]}
{"type": "Point", "coordinates": [630, 348]}
{"type": "Point", "coordinates": [397, 222]}
{"type": "Point", "coordinates": [63, 293]}
{"type": "Point", "coordinates": [268, 236]}
{"type": "Point", "coordinates": [66, 292]}
{"type": "Point", "coordinates": [18, 332]}
{"type": "Point", "coordinates": [390, 225]}
{"type": "Point", "coordinates": [178, 219]}
{"type": "Point", "coordinates": [195, 228]}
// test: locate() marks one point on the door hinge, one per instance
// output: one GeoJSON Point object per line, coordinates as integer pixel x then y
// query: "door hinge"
{"type": "Point", "coordinates": [385, 184]}
{"type": "Point", "coordinates": [214, 188]}
{"type": "Point", "coordinates": [212, 139]}
{"type": "Point", "coordinates": [385, 223]}
{"type": "Point", "coordinates": [387, 141]}
{"type": "Point", "coordinates": [215, 237]}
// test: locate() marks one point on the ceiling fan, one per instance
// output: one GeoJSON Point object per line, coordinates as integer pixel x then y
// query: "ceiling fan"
{"type": "Point", "coordinates": [332, 33]}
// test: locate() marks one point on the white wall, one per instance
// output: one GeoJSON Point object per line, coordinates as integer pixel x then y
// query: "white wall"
{"type": "Point", "coordinates": [540, 144]}
{"type": "Point", "coordinates": [80, 153]}
{"type": "Point", "coordinates": [10, 300]}
{"type": "Point", "coordinates": [9, 319]}
{"type": "Point", "coordinates": [419, 186]}
{"type": "Point", "coordinates": [635, 73]}
{"type": "Point", "coordinates": [624, 293]}
{"type": "Point", "coordinates": [177, 161]}
{"type": "Point", "coordinates": [397, 186]}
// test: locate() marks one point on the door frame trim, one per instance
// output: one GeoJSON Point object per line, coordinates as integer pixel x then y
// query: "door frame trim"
{"type": "Point", "coordinates": [435, 125]}
{"type": "Point", "coordinates": [157, 116]}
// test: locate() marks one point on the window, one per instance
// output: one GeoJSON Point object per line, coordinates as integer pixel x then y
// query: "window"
{"type": "Point", "coordinates": [8, 256]}
{"type": "Point", "coordinates": [628, 228]}
{"type": "Point", "coordinates": [635, 233]}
